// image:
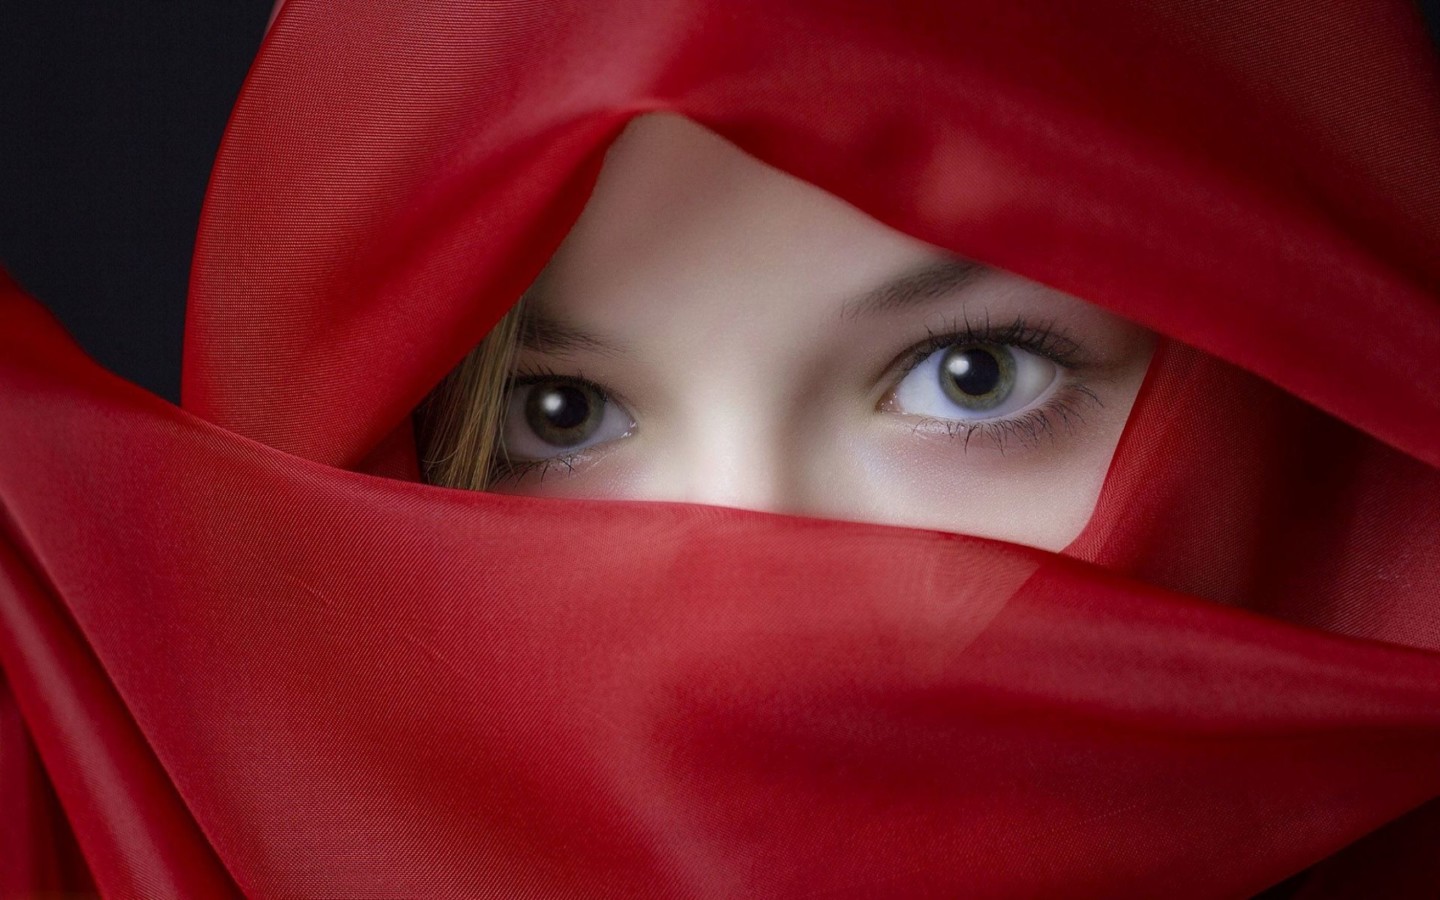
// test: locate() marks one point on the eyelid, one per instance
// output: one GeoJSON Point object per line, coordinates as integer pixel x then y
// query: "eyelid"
{"type": "Point", "coordinates": [517, 470]}
{"type": "Point", "coordinates": [529, 373]}
{"type": "Point", "coordinates": [1042, 337]}
{"type": "Point", "coordinates": [1045, 338]}
{"type": "Point", "coordinates": [1066, 404]}
{"type": "Point", "coordinates": [523, 375]}
{"type": "Point", "coordinates": [1062, 404]}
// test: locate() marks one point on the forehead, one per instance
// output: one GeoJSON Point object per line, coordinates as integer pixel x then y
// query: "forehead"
{"type": "Point", "coordinates": [681, 221]}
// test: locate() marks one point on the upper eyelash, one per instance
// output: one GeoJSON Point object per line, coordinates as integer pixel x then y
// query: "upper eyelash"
{"type": "Point", "coordinates": [1043, 338]}
{"type": "Point", "coordinates": [501, 466]}
{"type": "Point", "coordinates": [527, 374]}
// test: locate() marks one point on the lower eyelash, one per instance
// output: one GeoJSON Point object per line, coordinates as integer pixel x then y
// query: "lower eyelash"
{"type": "Point", "coordinates": [1043, 338]}
{"type": "Point", "coordinates": [1031, 428]}
{"type": "Point", "coordinates": [514, 470]}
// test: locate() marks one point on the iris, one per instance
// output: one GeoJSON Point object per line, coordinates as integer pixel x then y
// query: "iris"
{"type": "Point", "coordinates": [563, 414]}
{"type": "Point", "coordinates": [977, 377]}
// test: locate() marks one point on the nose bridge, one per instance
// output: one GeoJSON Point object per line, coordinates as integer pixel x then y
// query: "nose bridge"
{"type": "Point", "coordinates": [733, 463]}
{"type": "Point", "coordinates": [729, 410]}
{"type": "Point", "coordinates": [731, 453]}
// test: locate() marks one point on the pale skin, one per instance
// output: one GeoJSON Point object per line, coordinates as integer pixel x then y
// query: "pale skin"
{"type": "Point", "coordinates": [738, 362]}
{"type": "Point", "coordinates": [724, 318]}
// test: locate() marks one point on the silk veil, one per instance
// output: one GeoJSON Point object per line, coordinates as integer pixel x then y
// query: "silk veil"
{"type": "Point", "coordinates": [245, 651]}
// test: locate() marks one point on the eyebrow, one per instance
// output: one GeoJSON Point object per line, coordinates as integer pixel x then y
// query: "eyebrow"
{"type": "Point", "coordinates": [544, 333]}
{"type": "Point", "coordinates": [928, 282]}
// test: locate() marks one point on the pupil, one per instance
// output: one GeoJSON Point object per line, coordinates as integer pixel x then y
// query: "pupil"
{"type": "Point", "coordinates": [563, 415]}
{"type": "Point", "coordinates": [564, 407]}
{"type": "Point", "coordinates": [974, 370]}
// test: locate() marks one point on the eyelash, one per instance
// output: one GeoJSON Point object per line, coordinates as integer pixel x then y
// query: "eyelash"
{"type": "Point", "coordinates": [503, 469]}
{"type": "Point", "coordinates": [1045, 339]}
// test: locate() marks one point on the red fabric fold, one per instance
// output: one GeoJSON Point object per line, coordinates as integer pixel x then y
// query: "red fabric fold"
{"type": "Point", "coordinates": [363, 686]}
{"type": "Point", "coordinates": [248, 651]}
{"type": "Point", "coordinates": [1265, 169]}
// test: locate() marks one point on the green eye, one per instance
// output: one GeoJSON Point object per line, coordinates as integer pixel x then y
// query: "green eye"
{"type": "Point", "coordinates": [563, 414]}
{"type": "Point", "coordinates": [548, 415]}
{"type": "Point", "coordinates": [978, 377]}
{"type": "Point", "coordinates": [974, 381]}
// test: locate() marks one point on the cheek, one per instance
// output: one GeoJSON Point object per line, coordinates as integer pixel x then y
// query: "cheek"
{"type": "Point", "coordinates": [643, 466]}
{"type": "Point", "coordinates": [1041, 496]}
{"type": "Point", "coordinates": [843, 460]}
{"type": "Point", "coordinates": [606, 472]}
{"type": "Point", "coordinates": [926, 484]}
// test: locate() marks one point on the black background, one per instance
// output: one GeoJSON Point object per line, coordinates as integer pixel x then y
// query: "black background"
{"type": "Point", "coordinates": [111, 113]}
{"type": "Point", "coordinates": [110, 117]}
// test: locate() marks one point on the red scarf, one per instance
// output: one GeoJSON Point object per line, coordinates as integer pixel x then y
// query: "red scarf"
{"type": "Point", "coordinates": [243, 649]}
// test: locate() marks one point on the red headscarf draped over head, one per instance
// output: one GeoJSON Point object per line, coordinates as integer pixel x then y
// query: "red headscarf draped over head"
{"type": "Point", "coordinates": [244, 649]}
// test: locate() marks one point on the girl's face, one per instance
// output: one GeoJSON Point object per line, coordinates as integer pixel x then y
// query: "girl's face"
{"type": "Point", "coordinates": [716, 331]}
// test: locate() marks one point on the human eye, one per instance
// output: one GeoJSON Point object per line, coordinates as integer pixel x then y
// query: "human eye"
{"type": "Point", "coordinates": [550, 420]}
{"type": "Point", "coordinates": [1017, 381]}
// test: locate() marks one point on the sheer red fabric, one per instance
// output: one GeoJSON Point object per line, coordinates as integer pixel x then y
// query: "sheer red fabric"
{"type": "Point", "coordinates": [244, 650]}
